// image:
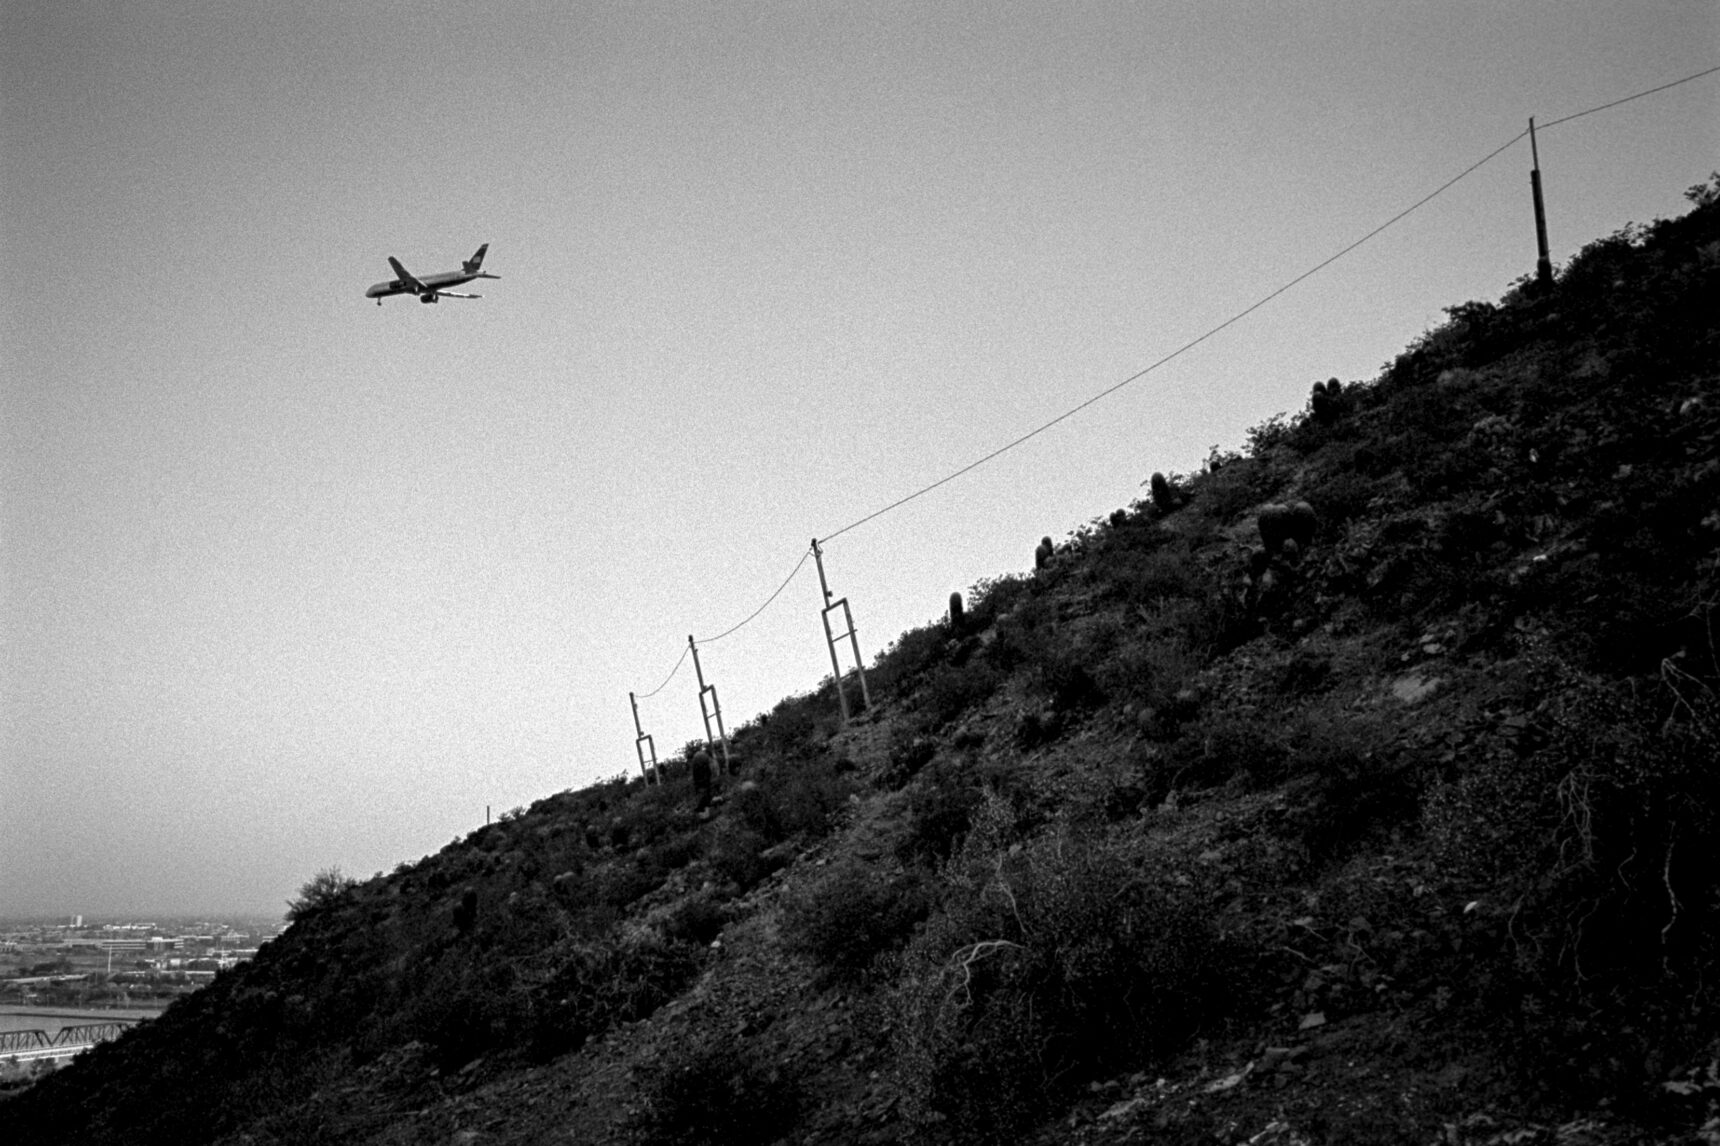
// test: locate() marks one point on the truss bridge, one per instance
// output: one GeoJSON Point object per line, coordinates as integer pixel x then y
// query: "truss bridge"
{"type": "Point", "coordinates": [26, 1046]}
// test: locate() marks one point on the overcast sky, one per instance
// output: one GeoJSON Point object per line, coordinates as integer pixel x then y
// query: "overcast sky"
{"type": "Point", "coordinates": [288, 580]}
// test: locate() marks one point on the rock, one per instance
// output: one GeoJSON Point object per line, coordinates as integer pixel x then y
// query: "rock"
{"type": "Point", "coordinates": [1230, 1081]}
{"type": "Point", "coordinates": [1281, 1058]}
{"type": "Point", "coordinates": [1124, 1109]}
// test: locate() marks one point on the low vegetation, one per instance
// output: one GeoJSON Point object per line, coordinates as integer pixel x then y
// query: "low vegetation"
{"type": "Point", "coordinates": [1355, 788]}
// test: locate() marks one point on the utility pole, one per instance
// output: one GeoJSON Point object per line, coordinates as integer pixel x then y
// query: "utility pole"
{"type": "Point", "coordinates": [1544, 263]}
{"type": "Point", "coordinates": [640, 743]}
{"type": "Point", "coordinates": [830, 639]}
{"type": "Point", "coordinates": [714, 708]}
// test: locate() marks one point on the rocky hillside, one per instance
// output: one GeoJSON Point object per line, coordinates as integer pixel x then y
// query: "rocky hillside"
{"type": "Point", "coordinates": [1357, 788]}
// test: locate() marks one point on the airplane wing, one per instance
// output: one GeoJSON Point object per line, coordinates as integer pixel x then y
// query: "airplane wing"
{"type": "Point", "coordinates": [405, 276]}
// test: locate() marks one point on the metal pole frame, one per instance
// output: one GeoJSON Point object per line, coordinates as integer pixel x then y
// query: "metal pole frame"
{"type": "Point", "coordinates": [715, 708]}
{"type": "Point", "coordinates": [654, 776]}
{"type": "Point", "coordinates": [830, 639]}
{"type": "Point", "coordinates": [1544, 261]}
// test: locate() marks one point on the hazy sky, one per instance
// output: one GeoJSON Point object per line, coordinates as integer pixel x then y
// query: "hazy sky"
{"type": "Point", "coordinates": [289, 580]}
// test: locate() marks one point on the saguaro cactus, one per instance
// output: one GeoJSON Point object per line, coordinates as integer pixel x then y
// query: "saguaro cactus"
{"type": "Point", "coordinates": [958, 614]}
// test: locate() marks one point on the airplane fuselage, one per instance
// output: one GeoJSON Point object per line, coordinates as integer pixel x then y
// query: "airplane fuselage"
{"type": "Point", "coordinates": [435, 283]}
{"type": "Point", "coordinates": [431, 288]}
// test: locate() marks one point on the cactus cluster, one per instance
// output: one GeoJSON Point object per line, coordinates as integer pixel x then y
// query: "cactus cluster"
{"type": "Point", "coordinates": [1042, 555]}
{"type": "Point", "coordinates": [1328, 401]}
{"type": "Point", "coordinates": [1285, 531]}
{"type": "Point", "coordinates": [1282, 525]}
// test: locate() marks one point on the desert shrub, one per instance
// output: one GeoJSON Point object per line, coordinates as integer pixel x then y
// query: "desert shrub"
{"type": "Point", "coordinates": [798, 799]}
{"type": "Point", "coordinates": [901, 666]}
{"type": "Point", "coordinates": [620, 882]}
{"type": "Point", "coordinates": [808, 797]}
{"type": "Point", "coordinates": [1450, 470]}
{"type": "Point", "coordinates": [1596, 268]}
{"type": "Point", "coordinates": [1600, 828]}
{"type": "Point", "coordinates": [1304, 674]}
{"type": "Point", "coordinates": [850, 914]}
{"type": "Point", "coordinates": [1019, 632]}
{"type": "Point", "coordinates": [1220, 743]}
{"type": "Point", "coordinates": [714, 1093]}
{"type": "Point", "coordinates": [992, 597]}
{"type": "Point", "coordinates": [324, 889]}
{"type": "Point", "coordinates": [697, 920]}
{"type": "Point", "coordinates": [1034, 728]}
{"type": "Point", "coordinates": [1151, 577]}
{"type": "Point", "coordinates": [1269, 435]}
{"type": "Point", "coordinates": [939, 810]}
{"type": "Point", "coordinates": [1225, 493]}
{"type": "Point", "coordinates": [1341, 495]}
{"type": "Point", "coordinates": [1351, 783]}
{"type": "Point", "coordinates": [676, 851]}
{"type": "Point", "coordinates": [597, 984]}
{"type": "Point", "coordinates": [652, 814]}
{"type": "Point", "coordinates": [1151, 666]}
{"type": "Point", "coordinates": [794, 727]}
{"type": "Point", "coordinates": [953, 690]}
{"type": "Point", "coordinates": [1065, 681]}
{"type": "Point", "coordinates": [466, 1005]}
{"type": "Point", "coordinates": [910, 751]}
{"type": "Point", "coordinates": [737, 854]}
{"type": "Point", "coordinates": [1049, 964]}
{"type": "Point", "coordinates": [1468, 337]}
{"type": "Point", "coordinates": [752, 806]}
{"type": "Point", "coordinates": [524, 921]}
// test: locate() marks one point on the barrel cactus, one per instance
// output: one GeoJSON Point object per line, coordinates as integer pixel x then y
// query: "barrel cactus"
{"type": "Point", "coordinates": [1164, 494]}
{"type": "Point", "coordinates": [1327, 402]}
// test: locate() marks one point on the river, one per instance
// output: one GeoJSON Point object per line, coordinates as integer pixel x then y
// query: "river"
{"type": "Point", "coordinates": [20, 1018]}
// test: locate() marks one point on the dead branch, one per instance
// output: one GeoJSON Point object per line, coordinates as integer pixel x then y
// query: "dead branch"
{"type": "Point", "coordinates": [963, 960]}
{"type": "Point", "coordinates": [1671, 895]}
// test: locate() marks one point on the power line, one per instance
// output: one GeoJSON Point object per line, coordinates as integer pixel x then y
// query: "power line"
{"type": "Point", "coordinates": [1183, 349]}
{"type": "Point", "coordinates": [1628, 98]}
{"type": "Point", "coordinates": [1178, 352]}
{"type": "Point", "coordinates": [736, 628]}
{"type": "Point", "coordinates": [667, 679]}
{"type": "Point", "coordinates": [763, 607]}
{"type": "Point", "coordinates": [1137, 376]}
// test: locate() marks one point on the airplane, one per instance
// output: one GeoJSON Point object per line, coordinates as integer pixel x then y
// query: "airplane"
{"type": "Point", "coordinates": [430, 288]}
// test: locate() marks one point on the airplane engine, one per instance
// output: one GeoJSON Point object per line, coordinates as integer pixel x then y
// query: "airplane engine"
{"type": "Point", "coordinates": [427, 298]}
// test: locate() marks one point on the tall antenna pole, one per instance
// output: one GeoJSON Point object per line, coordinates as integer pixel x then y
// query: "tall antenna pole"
{"type": "Point", "coordinates": [1543, 264]}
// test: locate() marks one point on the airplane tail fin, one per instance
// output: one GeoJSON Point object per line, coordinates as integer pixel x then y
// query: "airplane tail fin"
{"type": "Point", "coordinates": [472, 264]}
